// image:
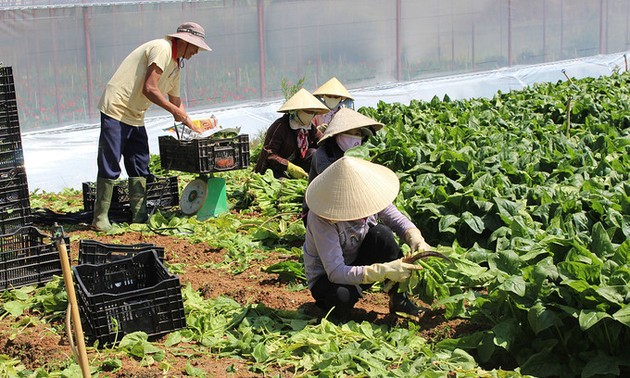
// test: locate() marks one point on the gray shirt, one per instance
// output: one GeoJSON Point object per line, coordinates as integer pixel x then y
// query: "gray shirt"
{"type": "Point", "coordinates": [330, 247]}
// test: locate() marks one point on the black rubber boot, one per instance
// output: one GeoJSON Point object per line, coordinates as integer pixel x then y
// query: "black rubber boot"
{"type": "Point", "coordinates": [401, 305]}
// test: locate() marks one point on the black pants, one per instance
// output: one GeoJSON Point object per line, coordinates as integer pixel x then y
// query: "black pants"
{"type": "Point", "coordinates": [378, 246]}
{"type": "Point", "coordinates": [117, 140]}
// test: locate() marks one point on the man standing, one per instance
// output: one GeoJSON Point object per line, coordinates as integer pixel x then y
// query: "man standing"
{"type": "Point", "coordinates": [148, 75]}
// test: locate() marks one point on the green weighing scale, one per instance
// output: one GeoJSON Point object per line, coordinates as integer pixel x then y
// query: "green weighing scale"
{"type": "Point", "coordinates": [204, 196]}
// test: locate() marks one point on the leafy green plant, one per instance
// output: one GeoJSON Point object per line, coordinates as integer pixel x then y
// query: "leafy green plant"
{"type": "Point", "coordinates": [289, 89]}
{"type": "Point", "coordinates": [532, 214]}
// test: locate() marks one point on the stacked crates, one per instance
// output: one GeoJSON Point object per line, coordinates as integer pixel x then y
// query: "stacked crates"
{"type": "Point", "coordinates": [162, 193]}
{"type": "Point", "coordinates": [27, 256]}
{"type": "Point", "coordinates": [15, 207]}
{"type": "Point", "coordinates": [126, 288]}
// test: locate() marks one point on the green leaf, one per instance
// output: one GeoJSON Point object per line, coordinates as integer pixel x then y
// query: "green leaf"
{"type": "Point", "coordinates": [589, 318]}
{"type": "Point", "coordinates": [467, 268]}
{"type": "Point", "coordinates": [288, 270]}
{"type": "Point", "coordinates": [541, 318]}
{"type": "Point", "coordinates": [545, 362]}
{"type": "Point", "coordinates": [194, 372]}
{"type": "Point", "coordinates": [260, 353]}
{"type": "Point", "coordinates": [505, 333]}
{"type": "Point", "coordinates": [474, 222]}
{"type": "Point", "coordinates": [581, 271]}
{"type": "Point", "coordinates": [15, 308]}
{"type": "Point", "coordinates": [601, 244]}
{"type": "Point", "coordinates": [602, 365]}
{"type": "Point", "coordinates": [72, 371]}
{"type": "Point", "coordinates": [623, 315]}
{"type": "Point", "coordinates": [173, 338]}
{"type": "Point", "coordinates": [545, 269]}
{"type": "Point", "coordinates": [446, 221]}
{"type": "Point", "coordinates": [514, 284]}
{"type": "Point", "coordinates": [614, 294]}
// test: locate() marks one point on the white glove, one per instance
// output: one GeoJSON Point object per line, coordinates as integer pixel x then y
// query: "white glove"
{"type": "Point", "coordinates": [416, 242]}
{"type": "Point", "coordinates": [396, 270]}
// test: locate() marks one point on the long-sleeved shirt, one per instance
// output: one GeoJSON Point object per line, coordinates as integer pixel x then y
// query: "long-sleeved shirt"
{"type": "Point", "coordinates": [330, 247]}
{"type": "Point", "coordinates": [280, 147]}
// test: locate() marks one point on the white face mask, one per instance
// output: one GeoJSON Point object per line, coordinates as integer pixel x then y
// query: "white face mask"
{"type": "Point", "coordinates": [347, 142]}
{"type": "Point", "coordinates": [331, 102]}
{"type": "Point", "coordinates": [304, 118]}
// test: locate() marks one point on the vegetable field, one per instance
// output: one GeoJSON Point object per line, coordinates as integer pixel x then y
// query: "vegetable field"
{"type": "Point", "coordinates": [527, 193]}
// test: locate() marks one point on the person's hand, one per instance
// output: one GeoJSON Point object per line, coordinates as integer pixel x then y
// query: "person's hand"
{"type": "Point", "coordinates": [413, 237]}
{"type": "Point", "coordinates": [193, 126]}
{"type": "Point", "coordinates": [396, 271]}
{"type": "Point", "coordinates": [182, 117]}
{"type": "Point", "coordinates": [296, 172]}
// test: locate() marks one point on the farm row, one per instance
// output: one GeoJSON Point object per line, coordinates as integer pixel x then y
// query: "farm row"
{"type": "Point", "coordinates": [526, 192]}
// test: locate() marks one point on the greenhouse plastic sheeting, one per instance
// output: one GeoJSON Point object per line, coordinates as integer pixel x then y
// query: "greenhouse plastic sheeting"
{"type": "Point", "coordinates": [66, 157]}
{"type": "Point", "coordinates": [64, 51]}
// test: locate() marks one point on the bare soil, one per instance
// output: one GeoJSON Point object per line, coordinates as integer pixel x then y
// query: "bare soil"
{"type": "Point", "coordinates": [40, 344]}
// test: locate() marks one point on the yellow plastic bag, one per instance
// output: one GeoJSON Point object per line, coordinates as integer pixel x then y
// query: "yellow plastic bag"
{"type": "Point", "coordinates": [205, 124]}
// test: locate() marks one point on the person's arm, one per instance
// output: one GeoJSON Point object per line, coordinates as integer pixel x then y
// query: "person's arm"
{"type": "Point", "coordinates": [404, 228]}
{"type": "Point", "coordinates": [172, 105]}
{"type": "Point", "coordinates": [274, 144]}
{"type": "Point", "coordinates": [177, 101]}
{"type": "Point", "coordinates": [314, 136]}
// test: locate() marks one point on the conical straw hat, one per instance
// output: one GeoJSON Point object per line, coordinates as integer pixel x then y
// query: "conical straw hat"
{"type": "Point", "coordinates": [333, 87]}
{"type": "Point", "coordinates": [303, 100]}
{"type": "Point", "coordinates": [351, 189]}
{"type": "Point", "coordinates": [347, 119]}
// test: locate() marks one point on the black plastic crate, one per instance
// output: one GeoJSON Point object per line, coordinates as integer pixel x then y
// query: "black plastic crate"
{"type": "Point", "coordinates": [204, 155]}
{"type": "Point", "coordinates": [8, 108]}
{"type": "Point", "coordinates": [95, 252]}
{"type": "Point", "coordinates": [15, 207]}
{"type": "Point", "coordinates": [6, 75]}
{"type": "Point", "coordinates": [9, 125]}
{"type": "Point", "coordinates": [14, 215]}
{"type": "Point", "coordinates": [13, 186]}
{"type": "Point", "coordinates": [128, 295]}
{"type": "Point", "coordinates": [28, 257]}
{"type": "Point", "coordinates": [11, 155]}
{"type": "Point", "coordinates": [7, 86]}
{"type": "Point", "coordinates": [162, 193]}
{"type": "Point", "coordinates": [7, 94]}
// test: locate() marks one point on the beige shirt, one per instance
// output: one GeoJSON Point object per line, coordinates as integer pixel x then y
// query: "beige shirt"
{"type": "Point", "coordinates": [123, 99]}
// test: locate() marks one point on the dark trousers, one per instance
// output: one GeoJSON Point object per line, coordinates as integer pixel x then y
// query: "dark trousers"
{"type": "Point", "coordinates": [378, 246]}
{"type": "Point", "coordinates": [117, 140]}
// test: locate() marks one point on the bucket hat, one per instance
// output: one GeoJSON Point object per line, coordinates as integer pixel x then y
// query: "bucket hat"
{"type": "Point", "coordinates": [350, 189]}
{"type": "Point", "coordinates": [193, 33]}
{"type": "Point", "coordinates": [348, 119]}
{"type": "Point", "coordinates": [303, 100]}
{"type": "Point", "coordinates": [333, 87]}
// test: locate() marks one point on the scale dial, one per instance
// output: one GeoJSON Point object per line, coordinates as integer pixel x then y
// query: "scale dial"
{"type": "Point", "coordinates": [193, 196]}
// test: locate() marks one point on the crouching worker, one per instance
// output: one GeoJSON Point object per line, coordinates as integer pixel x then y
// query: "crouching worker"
{"type": "Point", "coordinates": [291, 140]}
{"type": "Point", "coordinates": [350, 241]}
